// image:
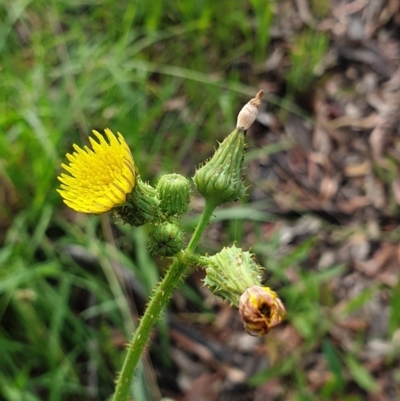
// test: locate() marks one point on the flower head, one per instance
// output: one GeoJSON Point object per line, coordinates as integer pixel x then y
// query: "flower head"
{"type": "Point", "coordinates": [260, 309]}
{"type": "Point", "coordinates": [101, 178]}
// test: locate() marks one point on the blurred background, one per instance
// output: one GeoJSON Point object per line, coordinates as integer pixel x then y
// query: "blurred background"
{"type": "Point", "coordinates": [321, 214]}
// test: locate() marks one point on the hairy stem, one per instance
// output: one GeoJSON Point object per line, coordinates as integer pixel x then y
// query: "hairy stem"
{"type": "Point", "coordinates": [156, 305]}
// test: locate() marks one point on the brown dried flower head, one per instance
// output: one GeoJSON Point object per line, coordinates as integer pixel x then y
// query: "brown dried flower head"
{"type": "Point", "coordinates": [249, 112]}
{"type": "Point", "coordinates": [260, 309]}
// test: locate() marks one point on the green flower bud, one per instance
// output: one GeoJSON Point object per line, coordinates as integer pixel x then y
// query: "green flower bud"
{"type": "Point", "coordinates": [230, 272]}
{"type": "Point", "coordinates": [174, 194]}
{"type": "Point", "coordinates": [165, 239]}
{"type": "Point", "coordinates": [142, 205]}
{"type": "Point", "coordinates": [220, 179]}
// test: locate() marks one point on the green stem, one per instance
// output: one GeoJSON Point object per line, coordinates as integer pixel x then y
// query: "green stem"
{"type": "Point", "coordinates": [201, 226]}
{"type": "Point", "coordinates": [157, 303]}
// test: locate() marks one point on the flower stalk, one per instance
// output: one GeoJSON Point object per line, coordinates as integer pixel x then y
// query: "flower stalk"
{"type": "Point", "coordinates": [162, 294]}
{"type": "Point", "coordinates": [105, 179]}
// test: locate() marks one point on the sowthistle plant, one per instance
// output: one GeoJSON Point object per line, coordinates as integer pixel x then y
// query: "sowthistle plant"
{"type": "Point", "coordinates": [105, 179]}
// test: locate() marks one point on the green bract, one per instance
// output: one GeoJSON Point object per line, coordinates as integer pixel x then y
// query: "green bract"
{"type": "Point", "coordinates": [230, 272]}
{"type": "Point", "coordinates": [142, 205]}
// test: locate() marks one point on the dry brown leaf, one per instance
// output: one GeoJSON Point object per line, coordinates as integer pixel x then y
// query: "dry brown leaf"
{"type": "Point", "coordinates": [357, 170]}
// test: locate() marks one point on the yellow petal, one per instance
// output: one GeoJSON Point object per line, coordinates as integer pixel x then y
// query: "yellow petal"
{"type": "Point", "coordinates": [99, 178]}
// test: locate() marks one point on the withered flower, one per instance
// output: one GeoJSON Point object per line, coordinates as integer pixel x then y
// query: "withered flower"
{"type": "Point", "coordinates": [260, 309]}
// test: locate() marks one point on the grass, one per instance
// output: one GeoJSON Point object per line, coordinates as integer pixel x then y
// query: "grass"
{"type": "Point", "coordinates": [163, 77]}
{"type": "Point", "coordinates": [306, 54]}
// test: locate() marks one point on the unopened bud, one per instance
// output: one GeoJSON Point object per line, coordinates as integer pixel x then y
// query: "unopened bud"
{"type": "Point", "coordinates": [230, 272]}
{"type": "Point", "coordinates": [165, 239]}
{"type": "Point", "coordinates": [219, 180]}
{"type": "Point", "coordinates": [249, 112]}
{"type": "Point", "coordinates": [261, 310]}
{"type": "Point", "coordinates": [174, 193]}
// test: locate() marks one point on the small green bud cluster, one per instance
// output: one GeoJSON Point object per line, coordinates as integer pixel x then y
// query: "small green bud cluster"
{"type": "Point", "coordinates": [166, 237]}
{"type": "Point", "coordinates": [159, 207]}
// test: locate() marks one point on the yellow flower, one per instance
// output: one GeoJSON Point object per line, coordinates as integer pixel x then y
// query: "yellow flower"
{"type": "Point", "coordinates": [101, 178]}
